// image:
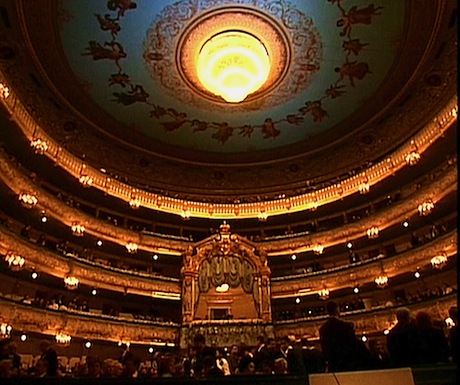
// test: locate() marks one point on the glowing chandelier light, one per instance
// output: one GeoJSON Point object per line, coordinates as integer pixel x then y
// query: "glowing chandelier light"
{"type": "Point", "coordinates": [39, 145]}
{"type": "Point", "coordinates": [382, 280]}
{"type": "Point", "coordinates": [15, 262]}
{"type": "Point", "coordinates": [131, 247]}
{"type": "Point", "coordinates": [439, 261]}
{"type": "Point", "coordinates": [28, 200]}
{"type": "Point", "coordinates": [4, 91]}
{"type": "Point", "coordinates": [5, 330]}
{"type": "Point", "coordinates": [425, 208]}
{"type": "Point", "coordinates": [373, 232]}
{"type": "Point", "coordinates": [71, 283]}
{"type": "Point", "coordinates": [77, 229]}
{"type": "Point", "coordinates": [232, 65]}
{"type": "Point", "coordinates": [63, 339]}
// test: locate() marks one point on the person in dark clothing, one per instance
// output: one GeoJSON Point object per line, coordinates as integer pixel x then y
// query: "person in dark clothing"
{"type": "Point", "coordinates": [49, 355]}
{"type": "Point", "coordinates": [380, 357]}
{"type": "Point", "coordinates": [201, 351]}
{"type": "Point", "coordinates": [313, 359]}
{"type": "Point", "coordinates": [403, 341]}
{"type": "Point", "coordinates": [434, 344]}
{"type": "Point", "coordinates": [262, 358]}
{"type": "Point", "coordinates": [453, 334]}
{"type": "Point", "coordinates": [339, 343]}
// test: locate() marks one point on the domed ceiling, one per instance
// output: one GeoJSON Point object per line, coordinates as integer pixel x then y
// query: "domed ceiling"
{"type": "Point", "coordinates": [123, 93]}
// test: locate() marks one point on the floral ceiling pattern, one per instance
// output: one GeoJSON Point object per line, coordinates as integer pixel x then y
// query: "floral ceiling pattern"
{"type": "Point", "coordinates": [118, 48]}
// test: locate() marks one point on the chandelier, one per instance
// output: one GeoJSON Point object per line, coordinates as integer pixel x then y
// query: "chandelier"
{"type": "Point", "coordinates": [63, 339]}
{"type": "Point", "coordinates": [28, 200]}
{"type": "Point", "coordinates": [5, 330]}
{"type": "Point", "coordinates": [439, 261]}
{"type": "Point", "coordinates": [318, 249]}
{"type": "Point", "coordinates": [233, 64]}
{"type": "Point", "coordinates": [323, 293]}
{"type": "Point", "coordinates": [4, 91]}
{"type": "Point", "coordinates": [77, 229]}
{"type": "Point", "coordinates": [39, 145]}
{"type": "Point", "coordinates": [15, 262]}
{"type": "Point", "coordinates": [381, 280]}
{"type": "Point", "coordinates": [373, 232]}
{"type": "Point", "coordinates": [131, 247]}
{"type": "Point", "coordinates": [412, 158]}
{"type": "Point", "coordinates": [425, 208]}
{"type": "Point", "coordinates": [134, 203]}
{"type": "Point", "coordinates": [86, 180]}
{"type": "Point", "coordinates": [364, 188]}
{"type": "Point", "coordinates": [71, 283]}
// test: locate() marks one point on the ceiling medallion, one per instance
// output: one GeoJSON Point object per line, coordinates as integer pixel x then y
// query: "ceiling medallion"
{"type": "Point", "coordinates": [253, 27]}
{"type": "Point", "coordinates": [202, 22]}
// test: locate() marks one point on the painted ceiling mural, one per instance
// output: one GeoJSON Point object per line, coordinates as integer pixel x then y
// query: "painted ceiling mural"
{"type": "Point", "coordinates": [124, 52]}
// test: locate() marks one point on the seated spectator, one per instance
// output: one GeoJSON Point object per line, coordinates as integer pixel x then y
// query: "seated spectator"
{"type": "Point", "coordinates": [280, 366]}
{"type": "Point", "coordinates": [381, 358]}
{"type": "Point", "coordinates": [434, 345]}
{"type": "Point", "coordinates": [404, 341]}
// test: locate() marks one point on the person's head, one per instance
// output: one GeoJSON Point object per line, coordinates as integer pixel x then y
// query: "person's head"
{"type": "Point", "coordinates": [199, 341]}
{"type": "Point", "coordinates": [403, 315]}
{"type": "Point", "coordinates": [234, 350]}
{"type": "Point", "coordinates": [332, 308]}
{"type": "Point", "coordinates": [246, 365]}
{"type": "Point", "coordinates": [166, 366]}
{"type": "Point", "coordinates": [44, 346]}
{"type": "Point", "coordinates": [280, 366]}
{"type": "Point", "coordinates": [94, 368]}
{"type": "Point", "coordinates": [260, 340]}
{"type": "Point", "coordinates": [423, 320]}
{"type": "Point", "coordinates": [131, 364]}
{"type": "Point", "coordinates": [271, 344]}
{"type": "Point", "coordinates": [375, 346]}
{"type": "Point", "coordinates": [284, 343]}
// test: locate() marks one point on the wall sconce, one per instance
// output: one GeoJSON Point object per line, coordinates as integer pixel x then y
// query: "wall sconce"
{"type": "Point", "coordinates": [28, 200]}
{"type": "Point", "coordinates": [63, 339]}
{"type": "Point", "coordinates": [425, 208]}
{"type": "Point", "coordinates": [15, 262]}
{"type": "Point", "coordinates": [77, 229]}
{"type": "Point", "coordinates": [373, 232]}
{"type": "Point", "coordinates": [131, 247]}
{"type": "Point", "coordinates": [71, 283]}
{"type": "Point", "coordinates": [40, 146]}
{"type": "Point", "coordinates": [134, 203]}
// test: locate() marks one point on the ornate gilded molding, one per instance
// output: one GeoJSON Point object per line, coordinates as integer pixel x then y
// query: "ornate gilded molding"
{"type": "Point", "coordinates": [29, 319]}
{"type": "Point", "coordinates": [367, 322]}
{"type": "Point", "coordinates": [365, 272]}
{"type": "Point", "coordinates": [51, 263]}
{"type": "Point", "coordinates": [444, 183]}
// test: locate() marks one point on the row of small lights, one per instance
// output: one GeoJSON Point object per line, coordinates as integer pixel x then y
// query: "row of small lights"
{"type": "Point", "coordinates": [382, 280]}
{"type": "Point", "coordinates": [65, 339]}
{"type": "Point", "coordinates": [411, 159]}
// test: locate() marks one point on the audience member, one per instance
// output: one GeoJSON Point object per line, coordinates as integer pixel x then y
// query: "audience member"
{"type": "Point", "coordinates": [313, 359]}
{"type": "Point", "coordinates": [49, 355]}
{"type": "Point", "coordinates": [453, 334]}
{"type": "Point", "coordinates": [339, 343]}
{"type": "Point", "coordinates": [403, 341]}
{"type": "Point", "coordinates": [380, 357]}
{"type": "Point", "coordinates": [434, 345]}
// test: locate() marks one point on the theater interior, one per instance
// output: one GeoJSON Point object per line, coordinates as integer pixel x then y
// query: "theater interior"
{"type": "Point", "coordinates": [145, 199]}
